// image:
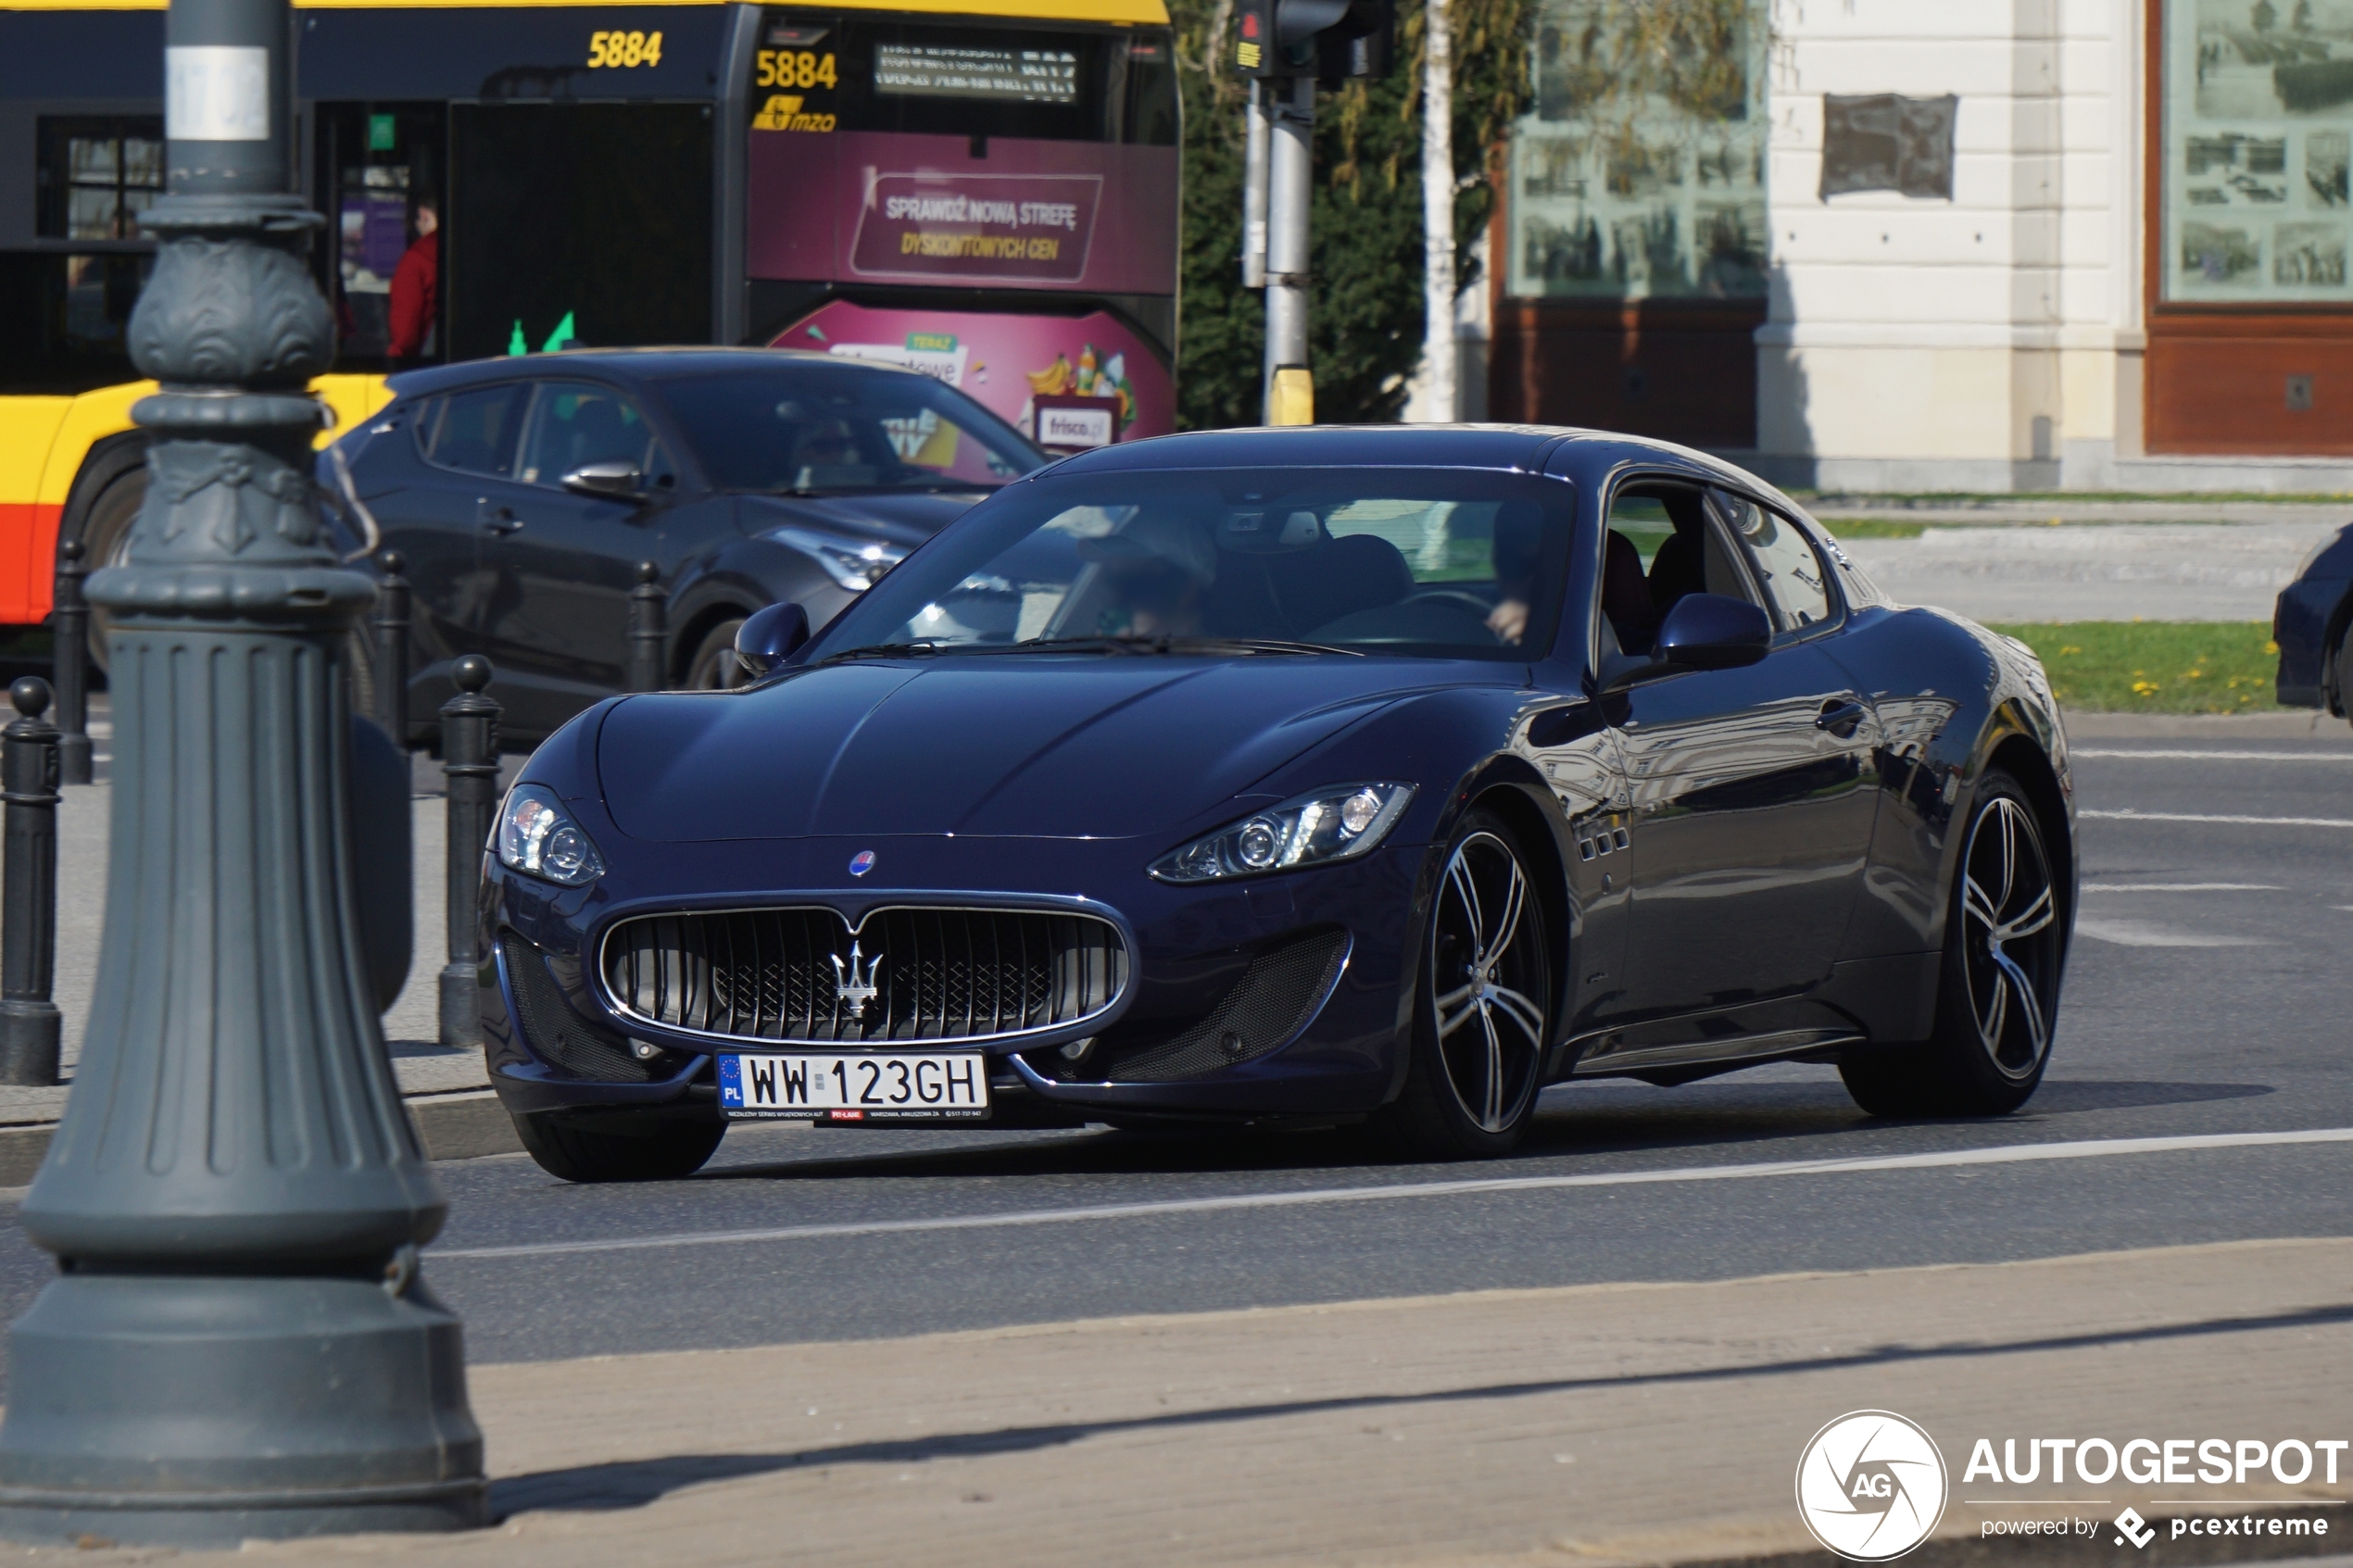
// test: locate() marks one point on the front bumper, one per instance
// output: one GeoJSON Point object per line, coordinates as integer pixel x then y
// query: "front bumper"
{"type": "Point", "coordinates": [1212, 971]}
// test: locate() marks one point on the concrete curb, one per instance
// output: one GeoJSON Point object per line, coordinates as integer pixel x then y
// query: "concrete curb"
{"type": "Point", "coordinates": [465, 1126]}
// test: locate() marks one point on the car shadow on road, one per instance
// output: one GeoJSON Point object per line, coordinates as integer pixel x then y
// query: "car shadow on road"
{"type": "Point", "coordinates": [635, 1483]}
{"type": "Point", "coordinates": [1566, 1124]}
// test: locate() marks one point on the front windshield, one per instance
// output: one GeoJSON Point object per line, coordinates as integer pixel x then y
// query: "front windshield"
{"type": "Point", "coordinates": [812, 428]}
{"type": "Point", "coordinates": [1435, 564]}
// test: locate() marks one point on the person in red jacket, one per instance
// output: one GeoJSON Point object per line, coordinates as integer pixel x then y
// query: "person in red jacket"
{"type": "Point", "coordinates": [416, 290]}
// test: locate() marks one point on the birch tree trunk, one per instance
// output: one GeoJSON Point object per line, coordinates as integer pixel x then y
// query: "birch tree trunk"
{"type": "Point", "coordinates": [1439, 356]}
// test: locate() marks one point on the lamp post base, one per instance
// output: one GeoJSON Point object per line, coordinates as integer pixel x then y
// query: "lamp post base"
{"type": "Point", "coordinates": [202, 1410]}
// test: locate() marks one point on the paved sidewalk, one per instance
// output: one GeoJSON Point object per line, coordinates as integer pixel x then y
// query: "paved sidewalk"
{"type": "Point", "coordinates": [1599, 1426]}
{"type": "Point", "coordinates": [2119, 571]}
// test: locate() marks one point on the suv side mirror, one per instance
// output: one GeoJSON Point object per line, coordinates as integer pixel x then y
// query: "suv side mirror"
{"type": "Point", "coordinates": [1712, 632]}
{"type": "Point", "coordinates": [770, 637]}
{"type": "Point", "coordinates": [613, 480]}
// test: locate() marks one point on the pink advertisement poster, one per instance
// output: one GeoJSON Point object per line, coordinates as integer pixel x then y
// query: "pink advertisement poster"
{"type": "Point", "coordinates": [1015, 366]}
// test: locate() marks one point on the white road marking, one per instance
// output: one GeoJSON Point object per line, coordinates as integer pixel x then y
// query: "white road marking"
{"type": "Point", "coordinates": [2004, 1154]}
{"type": "Point", "coordinates": [2142, 934]}
{"type": "Point", "coordinates": [2181, 888]}
{"type": "Point", "coordinates": [2183, 754]}
{"type": "Point", "coordinates": [2129, 815]}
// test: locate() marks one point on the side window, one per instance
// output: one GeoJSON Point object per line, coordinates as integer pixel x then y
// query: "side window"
{"type": "Point", "coordinates": [1658, 547]}
{"type": "Point", "coordinates": [576, 424]}
{"type": "Point", "coordinates": [1785, 559]}
{"type": "Point", "coordinates": [472, 431]}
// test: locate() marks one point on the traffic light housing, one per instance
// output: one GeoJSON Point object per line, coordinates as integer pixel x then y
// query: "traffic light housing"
{"type": "Point", "coordinates": [1332, 40]}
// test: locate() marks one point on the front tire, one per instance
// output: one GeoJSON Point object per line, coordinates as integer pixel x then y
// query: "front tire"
{"type": "Point", "coordinates": [715, 667]}
{"type": "Point", "coordinates": [1482, 1010]}
{"type": "Point", "coordinates": [665, 1151]}
{"type": "Point", "coordinates": [1997, 997]}
{"type": "Point", "coordinates": [106, 541]}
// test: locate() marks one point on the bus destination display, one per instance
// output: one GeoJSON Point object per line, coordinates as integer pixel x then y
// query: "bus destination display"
{"type": "Point", "coordinates": [1038, 76]}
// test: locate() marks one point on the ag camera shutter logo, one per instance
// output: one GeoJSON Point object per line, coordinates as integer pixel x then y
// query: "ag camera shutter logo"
{"type": "Point", "coordinates": [1872, 1486]}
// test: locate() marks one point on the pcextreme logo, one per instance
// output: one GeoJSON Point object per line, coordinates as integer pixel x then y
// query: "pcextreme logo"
{"type": "Point", "coordinates": [1872, 1486]}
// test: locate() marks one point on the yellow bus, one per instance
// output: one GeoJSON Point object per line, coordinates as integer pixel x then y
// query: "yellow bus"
{"type": "Point", "coordinates": [983, 190]}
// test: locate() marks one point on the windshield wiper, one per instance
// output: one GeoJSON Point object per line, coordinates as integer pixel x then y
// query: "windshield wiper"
{"type": "Point", "coordinates": [1160, 645]}
{"type": "Point", "coordinates": [886, 650]}
{"type": "Point", "coordinates": [930, 487]}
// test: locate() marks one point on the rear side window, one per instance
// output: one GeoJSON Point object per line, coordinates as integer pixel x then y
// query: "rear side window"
{"type": "Point", "coordinates": [1794, 580]}
{"type": "Point", "coordinates": [473, 431]}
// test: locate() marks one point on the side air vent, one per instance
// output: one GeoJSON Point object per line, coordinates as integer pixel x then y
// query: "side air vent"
{"type": "Point", "coordinates": [557, 1034]}
{"type": "Point", "coordinates": [1278, 996]}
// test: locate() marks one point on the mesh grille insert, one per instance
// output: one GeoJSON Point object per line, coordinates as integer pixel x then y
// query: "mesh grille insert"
{"type": "Point", "coordinates": [555, 1031]}
{"type": "Point", "coordinates": [1278, 996]}
{"type": "Point", "coordinates": [799, 975]}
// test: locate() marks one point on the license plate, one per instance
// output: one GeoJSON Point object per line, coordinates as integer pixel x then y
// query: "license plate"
{"type": "Point", "coordinates": [853, 1089]}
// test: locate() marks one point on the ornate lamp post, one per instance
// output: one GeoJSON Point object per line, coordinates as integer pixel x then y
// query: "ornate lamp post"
{"type": "Point", "coordinates": [237, 1344]}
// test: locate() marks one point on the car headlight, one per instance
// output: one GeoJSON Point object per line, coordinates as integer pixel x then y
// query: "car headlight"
{"type": "Point", "coordinates": [1309, 830]}
{"type": "Point", "coordinates": [854, 564]}
{"type": "Point", "coordinates": [538, 838]}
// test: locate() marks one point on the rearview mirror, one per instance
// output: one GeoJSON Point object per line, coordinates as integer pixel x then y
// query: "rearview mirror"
{"type": "Point", "coordinates": [770, 637]}
{"type": "Point", "coordinates": [614, 481]}
{"type": "Point", "coordinates": [1712, 632]}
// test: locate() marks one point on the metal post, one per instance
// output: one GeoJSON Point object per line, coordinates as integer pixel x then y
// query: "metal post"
{"type": "Point", "coordinates": [237, 1343]}
{"type": "Point", "coordinates": [1254, 188]}
{"type": "Point", "coordinates": [69, 661]}
{"type": "Point", "coordinates": [392, 648]}
{"type": "Point", "coordinates": [30, 1025]}
{"type": "Point", "coordinates": [470, 762]}
{"type": "Point", "coordinates": [645, 630]}
{"type": "Point", "coordinates": [1290, 189]}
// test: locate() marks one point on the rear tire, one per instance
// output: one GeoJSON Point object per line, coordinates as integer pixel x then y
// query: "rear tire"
{"type": "Point", "coordinates": [666, 1151]}
{"type": "Point", "coordinates": [1997, 997]}
{"type": "Point", "coordinates": [106, 541]}
{"type": "Point", "coordinates": [1482, 1008]}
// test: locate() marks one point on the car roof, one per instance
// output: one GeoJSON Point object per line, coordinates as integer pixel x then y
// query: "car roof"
{"type": "Point", "coordinates": [1510, 448]}
{"type": "Point", "coordinates": [616, 364]}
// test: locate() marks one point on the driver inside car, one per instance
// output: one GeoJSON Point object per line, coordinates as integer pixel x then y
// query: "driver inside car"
{"type": "Point", "coordinates": [1159, 566]}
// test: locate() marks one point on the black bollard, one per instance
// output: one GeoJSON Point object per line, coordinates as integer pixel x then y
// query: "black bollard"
{"type": "Point", "coordinates": [470, 761]}
{"type": "Point", "coordinates": [238, 1342]}
{"type": "Point", "coordinates": [28, 1020]}
{"type": "Point", "coordinates": [647, 632]}
{"type": "Point", "coordinates": [392, 649]}
{"type": "Point", "coordinates": [69, 661]}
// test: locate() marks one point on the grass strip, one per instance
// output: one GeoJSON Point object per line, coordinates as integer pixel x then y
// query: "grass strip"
{"type": "Point", "coordinates": [2157, 666]}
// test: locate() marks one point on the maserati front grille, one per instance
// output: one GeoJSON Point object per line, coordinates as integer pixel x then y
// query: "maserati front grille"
{"type": "Point", "coordinates": [801, 976]}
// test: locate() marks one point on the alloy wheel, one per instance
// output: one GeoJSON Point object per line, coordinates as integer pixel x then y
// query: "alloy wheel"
{"type": "Point", "coordinates": [2009, 936]}
{"type": "Point", "coordinates": [1487, 983]}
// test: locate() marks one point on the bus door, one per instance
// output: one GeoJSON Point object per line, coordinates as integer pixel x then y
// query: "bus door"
{"type": "Point", "coordinates": [381, 170]}
{"type": "Point", "coordinates": [574, 222]}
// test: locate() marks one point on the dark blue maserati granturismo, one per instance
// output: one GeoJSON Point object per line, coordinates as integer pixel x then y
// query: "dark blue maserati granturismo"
{"type": "Point", "coordinates": [1297, 777]}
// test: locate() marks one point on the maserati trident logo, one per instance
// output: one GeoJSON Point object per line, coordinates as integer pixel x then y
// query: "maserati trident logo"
{"type": "Point", "coordinates": [862, 863]}
{"type": "Point", "coordinates": [853, 985]}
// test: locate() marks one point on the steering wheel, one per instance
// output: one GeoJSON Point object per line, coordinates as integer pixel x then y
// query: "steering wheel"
{"type": "Point", "coordinates": [1456, 599]}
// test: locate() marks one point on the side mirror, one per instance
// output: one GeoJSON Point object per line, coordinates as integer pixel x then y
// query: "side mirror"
{"type": "Point", "coordinates": [1712, 632]}
{"type": "Point", "coordinates": [613, 480]}
{"type": "Point", "coordinates": [770, 637]}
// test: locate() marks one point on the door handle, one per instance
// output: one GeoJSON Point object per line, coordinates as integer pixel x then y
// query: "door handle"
{"type": "Point", "coordinates": [1840, 718]}
{"type": "Point", "coordinates": [495, 518]}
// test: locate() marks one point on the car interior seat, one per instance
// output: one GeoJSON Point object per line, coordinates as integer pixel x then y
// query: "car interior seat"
{"type": "Point", "coordinates": [1626, 595]}
{"type": "Point", "coordinates": [1337, 578]}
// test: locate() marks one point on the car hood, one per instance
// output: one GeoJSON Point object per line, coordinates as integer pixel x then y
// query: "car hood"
{"type": "Point", "coordinates": [1009, 746]}
{"type": "Point", "coordinates": [906, 520]}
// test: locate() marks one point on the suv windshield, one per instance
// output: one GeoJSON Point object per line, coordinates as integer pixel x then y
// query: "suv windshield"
{"type": "Point", "coordinates": [810, 428]}
{"type": "Point", "coordinates": [1431, 564]}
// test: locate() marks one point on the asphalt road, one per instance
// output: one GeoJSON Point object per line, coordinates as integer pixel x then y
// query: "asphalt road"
{"type": "Point", "coordinates": [2207, 1001]}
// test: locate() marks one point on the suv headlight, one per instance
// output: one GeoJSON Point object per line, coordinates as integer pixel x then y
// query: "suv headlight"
{"type": "Point", "coordinates": [854, 564]}
{"type": "Point", "coordinates": [1337, 823]}
{"type": "Point", "coordinates": [538, 838]}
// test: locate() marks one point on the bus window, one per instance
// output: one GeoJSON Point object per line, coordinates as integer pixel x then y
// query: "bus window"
{"type": "Point", "coordinates": [98, 174]}
{"type": "Point", "coordinates": [381, 176]}
{"type": "Point", "coordinates": [592, 220]}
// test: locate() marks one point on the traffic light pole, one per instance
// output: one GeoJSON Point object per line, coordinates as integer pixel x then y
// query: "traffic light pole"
{"type": "Point", "coordinates": [1290, 387]}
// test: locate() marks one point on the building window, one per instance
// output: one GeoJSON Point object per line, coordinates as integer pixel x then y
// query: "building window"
{"type": "Point", "coordinates": [2258, 134]}
{"type": "Point", "coordinates": [97, 176]}
{"type": "Point", "coordinates": [1641, 174]}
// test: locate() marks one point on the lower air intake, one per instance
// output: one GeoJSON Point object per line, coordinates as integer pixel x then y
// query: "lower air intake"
{"type": "Point", "coordinates": [555, 1032]}
{"type": "Point", "coordinates": [1278, 996]}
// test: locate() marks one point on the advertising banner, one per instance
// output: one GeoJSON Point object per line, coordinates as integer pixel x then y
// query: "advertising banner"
{"type": "Point", "coordinates": [891, 206]}
{"type": "Point", "coordinates": [1013, 365]}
